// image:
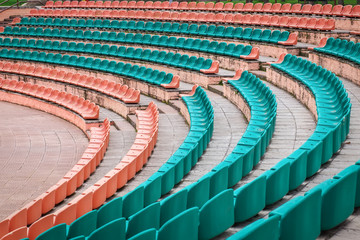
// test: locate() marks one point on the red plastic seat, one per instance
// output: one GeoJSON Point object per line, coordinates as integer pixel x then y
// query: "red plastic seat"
{"type": "Point", "coordinates": [123, 4]}
{"type": "Point", "coordinates": [303, 23]}
{"type": "Point", "coordinates": [283, 21]}
{"type": "Point", "coordinates": [157, 15]}
{"type": "Point", "coordinates": [174, 5]}
{"type": "Point", "coordinates": [214, 68]}
{"type": "Point", "coordinates": [337, 10]}
{"type": "Point", "coordinates": [191, 6]}
{"type": "Point", "coordinates": [296, 8]}
{"type": "Point", "coordinates": [329, 24]}
{"type": "Point", "coordinates": [326, 9]}
{"type": "Point", "coordinates": [140, 5]}
{"type": "Point", "coordinates": [264, 20]}
{"type": "Point", "coordinates": [267, 7]}
{"type": "Point", "coordinates": [107, 4]}
{"type": "Point", "coordinates": [74, 4]}
{"type": "Point", "coordinates": [219, 17]}
{"type": "Point", "coordinates": [174, 16]}
{"type": "Point", "coordinates": [192, 17]}
{"type": "Point", "coordinates": [228, 6]}
{"type": "Point", "coordinates": [346, 10]}
{"type": "Point", "coordinates": [238, 7]}
{"type": "Point", "coordinates": [131, 4]}
{"type": "Point", "coordinates": [286, 8]}
{"type": "Point", "coordinates": [49, 4]}
{"type": "Point", "coordinates": [316, 9]}
{"type": "Point", "coordinates": [229, 18]}
{"type": "Point", "coordinates": [238, 18]}
{"type": "Point", "coordinates": [210, 17]}
{"type": "Point", "coordinates": [115, 4]}
{"type": "Point", "coordinates": [255, 19]}
{"type": "Point", "coordinates": [219, 6]}
{"type": "Point", "coordinates": [183, 6]}
{"type": "Point", "coordinates": [157, 5]}
{"type": "Point", "coordinates": [246, 19]}
{"type": "Point", "coordinates": [82, 4]}
{"type": "Point", "coordinates": [257, 7]}
{"type": "Point", "coordinates": [320, 23]}
{"type": "Point", "coordinates": [209, 6]}
{"type": "Point", "coordinates": [99, 4]}
{"type": "Point", "coordinates": [306, 9]}
{"type": "Point", "coordinates": [355, 12]}
{"type": "Point", "coordinates": [276, 7]}
{"type": "Point", "coordinates": [293, 22]}
{"type": "Point", "coordinates": [274, 20]}
{"type": "Point", "coordinates": [311, 23]}
{"type": "Point", "coordinates": [200, 6]}
{"type": "Point", "coordinates": [165, 15]}
{"type": "Point", "coordinates": [58, 4]}
{"type": "Point", "coordinates": [90, 4]}
{"type": "Point", "coordinates": [66, 4]}
{"type": "Point", "coordinates": [165, 5]}
{"type": "Point", "coordinates": [248, 7]}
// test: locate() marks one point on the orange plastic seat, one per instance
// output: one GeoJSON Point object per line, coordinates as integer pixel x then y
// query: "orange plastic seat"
{"type": "Point", "coordinates": [238, 7]}
{"type": "Point", "coordinates": [276, 7]}
{"type": "Point", "coordinates": [140, 4]}
{"type": "Point", "coordinates": [228, 6]}
{"type": "Point", "coordinates": [293, 22]}
{"type": "Point", "coordinates": [306, 9]}
{"type": "Point", "coordinates": [248, 7]}
{"type": "Point", "coordinates": [296, 8]}
{"type": "Point", "coordinates": [326, 9]}
{"type": "Point", "coordinates": [115, 4]}
{"type": "Point", "coordinates": [291, 41]}
{"type": "Point", "coordinates": [286, 8]}
{"type": "Point", "coordinates": [316, 9]}
{"type": "Point", "coordinates": [219, 17]}
{"type": "Point", "coordinates": [264, 20]}
{"type": "Point", "coordinates": [257, 7]}
{"type": "Point", "coordinates": [254, 54]}
{"type": "Point", "coordinates": [209, 6]}
{"type": "Point", "coordinates": [66, 214]}
{"type": "Point", "coordinates": [274, 20]}
{"type": "Point", "coordinates": [41, 226]}
{"type": "Point", "coordinates": [218, 6]}
{"type": "Point", "coordinates": [214, 68]}
{"type": "Point", "coordinates": [157, 5]}
{"type": "Point", "coordinates": [229, 18]}
{"type": "Point", "coordinates": [303, 23]}
{"type": "Point", "coordinates": [337, 10]}
{"type": "Point", "coordinates": [267, 7]}
{"type": "Point", "coordinates": [238, 18]}
{"type": "Point", "coordinates": [191, 6]}
{"type": "Point", "coordinates": [283, 21]}
{"type": "Point", "coordinates": [355, 12]}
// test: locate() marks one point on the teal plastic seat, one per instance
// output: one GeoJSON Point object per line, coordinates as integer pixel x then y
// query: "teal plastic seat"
{"type": "Point", "coordinates": [219, 32]}
{"type": "Point", "coordinates": [83, 226]}
{"type": "Point", "coordinates": [229, 32]}
{"type": "Point", "coordinates": [175, 27]}
{"type": "Point", "coordinates": [149, 26]}
{"type": "Point", "coordinates": [247, 33]}
{"type": "Point", "coordinates": [89, 23]}
{"type": "Point", "coordinates": [262, 229]}
{"type": "Point", "coordinates": [275, 35]}
{"type": "Point", "coordinates": [133, 201]}
{"type": "Point", "coordinates": [238, 33]}
{"type": "Point", "coordinates": [216, 215]}
{"type": "Point", "coordinates": [157, 27]}
{"type": "Point", "coordinates": [81, 23]}
{"type": "Point", "coordinates": [182, 226]}
{"type": "Point", "coordinates": [193, 29]}
{"type": "Point", "coordinates": [114, 24]}
{"type": "Point", "coordinates": [202, 31]}
{"type": "Point", "coordinates": [150, 234]}
{"type": "Point", "coordinates": [112, 230]}
{"type": "Point", "coordinates": [184, 28]}
{"type": "Point", "coordinates": [105, 23]}
{"type": "Point", "coordinates": [57, 233]}
{"type": "Point", "coordinates": [211, 30]}
{"type": "Point", "coordinates": [300, 218]}
{"type": "Point", "coordinates": [167, 27]}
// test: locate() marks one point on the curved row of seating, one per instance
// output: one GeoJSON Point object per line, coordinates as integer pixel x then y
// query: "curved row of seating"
{"type": "Point", "coordinates": [110, 219]}
{"type": "Point", "coordinates": [208, 196]}
{"type": "Point", "coordinates": [214, 47]}
{"type": "Point", "coordinates": [326, 9]}
{"type": "Point", "coordinates": [95, 196]}
{"type": "Point", "coordinates": [147, 75]}
{"type": "Point", "coordinates": [163, 57]}
{"type": "Point", "coordinates": [267, 35]}
{"type": "Point", "coordinates": [321, 208]}
{"type": "Point", "coordinates": [84, 108]}
{"type": "Point", "coordinates": [244, 19]}
{"type": "Point", "coordinates": [341, 48]}
{"type": "Point", "coordinates": [116, 90]}
{"type": "Point", "coordinates": [93, 155]}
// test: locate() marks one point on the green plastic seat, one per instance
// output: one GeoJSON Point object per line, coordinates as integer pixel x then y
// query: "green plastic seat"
{"type": "Point", "coordinates": [112, 230]}
{"type": "Point", "coordinates": [83, 226]}
{"type": "Point", "coordinates": [146, 218]}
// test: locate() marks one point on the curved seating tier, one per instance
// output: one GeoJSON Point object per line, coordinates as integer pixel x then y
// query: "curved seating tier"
{"type": "Point", "coordinates": [319, 9]}
{"type": "Point", "coordinates": [246, 19]}
{"type": "Point", "coordinates": [144, 197]}
{"type": "Point", "coordinates": [213, 47]}
{"type": "Point", "coordinates": [341, 48]}
{"type": "Point", "coordinates": [267, 35]}
{"type": "Point", "coordinates": [84, 108]}
{"type": "Point", "coordinates": [321, 208]}
{"type": "Point", "coordinates": [133, 71]}
{"type": "Point", "coordinates": [93, 155]}
{"type": "Point", "coordinates": [116, 90]}
{"type": "Point", "coordinates": [168, 58]}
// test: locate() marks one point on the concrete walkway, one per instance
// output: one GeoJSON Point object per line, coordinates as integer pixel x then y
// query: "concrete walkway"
{"type": "Point", "coordinates": [36, 150]}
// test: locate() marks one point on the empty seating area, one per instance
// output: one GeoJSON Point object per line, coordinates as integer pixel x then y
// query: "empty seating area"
{"type": "Point", "coordinates": [84, 108]}
{"type": "Point", "coordinates": [276, 8]}
{"type": "Point", "coordinates": [116, 90]}
{"type": "Point", "coordinates": [266, 35]}
{"type": "Point", "coordinates": [213, 149]}
{"type": "Point", "coordinates": [242, 19]}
